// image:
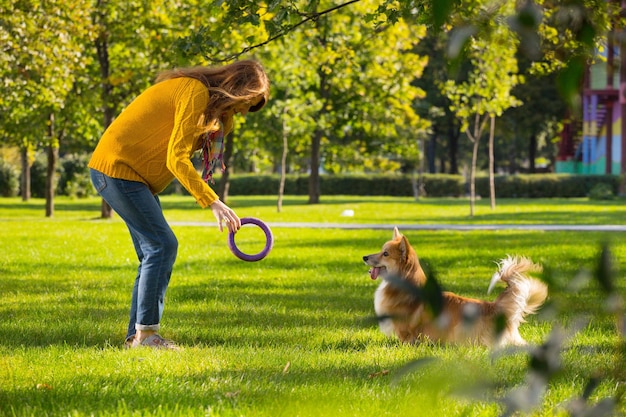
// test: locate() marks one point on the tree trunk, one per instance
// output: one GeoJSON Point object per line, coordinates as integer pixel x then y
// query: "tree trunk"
{"type": "Point", "coordinates": [431, 154]}
{"type": "Point", "coordinates": [453, 138]}
{"type": "Point", "coordinates": [478, 132]}
{"type": "Point", "coordinates": [224, 184]}
{"type": "Point", "coordinates": [473, 176]}
{"type": "Point", "coordinates": [314, 177]}
{"type": "Point", "coordinates": [102, 50]}
{"type": "Point", "coordinates": [25, 184]}
{"type": "Point", "coordinates": [532, 153]}
{"type": "Point", "coordinates": [316, 140]}
{"type": "Point", "coordinates": [512, 164]}
{"type": "Point", "coordinates": [283, 169]}
{"type": "Point", "coordinates": [53, 155]}
{"type": "Point", "coordinates": [492, 182]}
{"type": "Point", "coordinates": [418, 183]}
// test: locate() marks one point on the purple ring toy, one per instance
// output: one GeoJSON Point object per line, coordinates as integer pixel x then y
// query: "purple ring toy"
{"type": "Point", "coordinates": [269, 241]}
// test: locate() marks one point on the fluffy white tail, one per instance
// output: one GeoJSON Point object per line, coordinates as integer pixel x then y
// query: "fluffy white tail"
{"type": "Point", "coordinates": [523, 294]}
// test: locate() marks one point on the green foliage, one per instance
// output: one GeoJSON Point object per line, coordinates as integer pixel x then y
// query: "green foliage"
{"type": "Point", "coordinates": [546, 185]}
{"type": "Point", "coordinates": [75, 179]}
{"type": "Point", "coordinates": [71, 179]}
{"type": "Point", "coordinates": [43, 45]}
{"type": "Point", "coordinates": [435, 185]}
{"type": "Point", "coordinates": [556, 36]}
{"type": "Point", "coordinates": [343, 72]}
{"type": "Point", "coordinates": [340, 89]}
{"type": "Point", "coordinates": [602, 191]}
{"type": "Point", "coordinates": [328, 82]}
{"type": "Point", "coordinates": [439, 185]}
{"type": "Point", "coordinates": [491, 80]}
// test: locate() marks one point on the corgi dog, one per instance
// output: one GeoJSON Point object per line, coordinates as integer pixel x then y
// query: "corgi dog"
{"type": "Point", "coordinates": [406, 304]}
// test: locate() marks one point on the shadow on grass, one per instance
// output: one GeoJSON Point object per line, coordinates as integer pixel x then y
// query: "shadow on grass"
{"type": "Point", "coordinates": [246, 385]}
{"type": "Point", "coordinates": [238, 389]}
{"type": "Point", "coordinates": [58, 312]}
{"type": "Point", "coordinates": [69, 312]}
{"type": "Point", "coordinates": [38, 206]}
{"type": "Point", "coordinates": [331, 295]}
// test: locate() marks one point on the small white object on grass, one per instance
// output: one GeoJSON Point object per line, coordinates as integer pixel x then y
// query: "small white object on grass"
{"type": "Point", "coordinates": [347, 213]}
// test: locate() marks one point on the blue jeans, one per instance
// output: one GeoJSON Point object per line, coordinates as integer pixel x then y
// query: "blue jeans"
{"type": "Point", "coordinates": [155, 245]}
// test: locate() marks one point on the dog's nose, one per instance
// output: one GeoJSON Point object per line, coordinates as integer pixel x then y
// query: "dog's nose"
{"type": "Point", "coordinates": [365, 258]}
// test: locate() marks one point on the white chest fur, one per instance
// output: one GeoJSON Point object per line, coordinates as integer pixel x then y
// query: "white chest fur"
{"type": "Point", "coordinates": [386, 326]}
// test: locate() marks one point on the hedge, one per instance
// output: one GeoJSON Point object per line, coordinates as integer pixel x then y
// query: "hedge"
{"type": "Point", "coordinates": [434, 185]}
{"type": "Point", "coordinates": [442, 185]}
{"type": "Point", "coordinates": [73, 179]}
{"type": "Point", "coordinates": [546, 185]}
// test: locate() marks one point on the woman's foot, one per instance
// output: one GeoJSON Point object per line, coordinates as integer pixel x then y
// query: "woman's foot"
{"type": "Point", "coordinates": [154, 341]}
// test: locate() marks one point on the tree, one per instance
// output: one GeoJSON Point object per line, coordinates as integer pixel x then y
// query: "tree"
{"type": "Point", "coordinates": [363, 84]}
{"type": "Point", "coordinates": [133, 43]}
{"type": "Point", "coordinates": [445, 129]}
{"type": "Point", "coordinates": [486, 93]}
{"type": "Point", "coordinates": [566, 36]}
{"type": "Point", "coordinates": [128, 49]}
{"type": "Point", "coordinates": [528, 130]}
{"type": "Point", "coordinates": [353, 79]}
{"type": "Point", "coordinates": [557, 34]}
{"type": "Point", "coordinates": [42, 54]}
{"type": "Point", "coordinates": [329, 49]}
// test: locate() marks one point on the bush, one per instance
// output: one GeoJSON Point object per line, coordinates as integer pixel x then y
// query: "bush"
{"type": "Point", "coordinates": [74, 178]}
{"type": "Point", "coordinates": [38, 172]}
{"type": "Point", "coordinates": [545, 185]}
{"type": "Point", "coordinates": [71, 176]}
{"type": "Point", "coordinates": [9, 180]}
{"type": "Point", "coordinates": [602, 191]}
{"type": "Point", "coordinates": [435, 185]}
{"type": "Point", "coordinates": [444, 185]}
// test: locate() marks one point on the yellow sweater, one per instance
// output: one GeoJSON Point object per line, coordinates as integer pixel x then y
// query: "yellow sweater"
{"type": "Point", "coordinates": [153, 139]}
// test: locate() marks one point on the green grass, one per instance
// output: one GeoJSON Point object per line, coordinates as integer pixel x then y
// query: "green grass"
{"type": "Point", "coordinates": [367, 210]}
{"type": "Point", "coordinates": [292, 335]}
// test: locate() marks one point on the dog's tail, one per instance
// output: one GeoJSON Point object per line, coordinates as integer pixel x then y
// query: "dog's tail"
{"type": "Point", "coordinates": [523, 294]}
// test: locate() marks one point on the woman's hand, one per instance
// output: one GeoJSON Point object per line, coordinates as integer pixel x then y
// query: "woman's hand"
{"type": "Point", "coordinates": [225, 215]}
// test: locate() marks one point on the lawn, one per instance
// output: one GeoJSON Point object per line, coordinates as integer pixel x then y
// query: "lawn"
{"type": "Point", "coordinates": [294, 334]}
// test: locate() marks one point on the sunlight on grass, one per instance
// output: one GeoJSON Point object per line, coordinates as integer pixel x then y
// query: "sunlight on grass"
{"type": "Point", "coordinates": [367, 210]}
{"type": "Point", "coordinates": [293, 334]}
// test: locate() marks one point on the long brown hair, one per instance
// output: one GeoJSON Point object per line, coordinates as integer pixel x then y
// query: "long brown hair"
{"type": "Point", "coordinates": [229, 85]}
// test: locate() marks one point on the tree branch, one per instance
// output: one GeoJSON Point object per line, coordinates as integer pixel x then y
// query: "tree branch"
{"type": "Point", "coordinates": [310, 17]}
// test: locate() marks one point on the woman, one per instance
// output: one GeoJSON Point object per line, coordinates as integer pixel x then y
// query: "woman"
{"type": "Point", "coordinates": [148, 145]}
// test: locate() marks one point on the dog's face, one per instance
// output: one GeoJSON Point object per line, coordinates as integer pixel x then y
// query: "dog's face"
{"type": "Point", "coordinates": [389, 261]}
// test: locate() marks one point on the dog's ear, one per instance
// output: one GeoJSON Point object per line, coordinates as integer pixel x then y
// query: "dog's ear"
{"type": "Point", "coordinates": [404, 248]}
{"type": "Point", "coordinates": [396, 233]}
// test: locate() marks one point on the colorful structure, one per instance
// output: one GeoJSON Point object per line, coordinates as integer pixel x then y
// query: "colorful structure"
{"type": "Point", "coordinates": [595, 142]}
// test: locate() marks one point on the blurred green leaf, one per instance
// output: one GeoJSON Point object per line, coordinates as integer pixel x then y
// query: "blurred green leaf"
{"type": "Point", "coordinates": [441, 10]}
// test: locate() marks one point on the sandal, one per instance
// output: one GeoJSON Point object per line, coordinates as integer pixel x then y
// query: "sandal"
{"type": "Point", "coordinates": [154, 341]}
{"type": "Point", "coordinates": [128, 343]}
